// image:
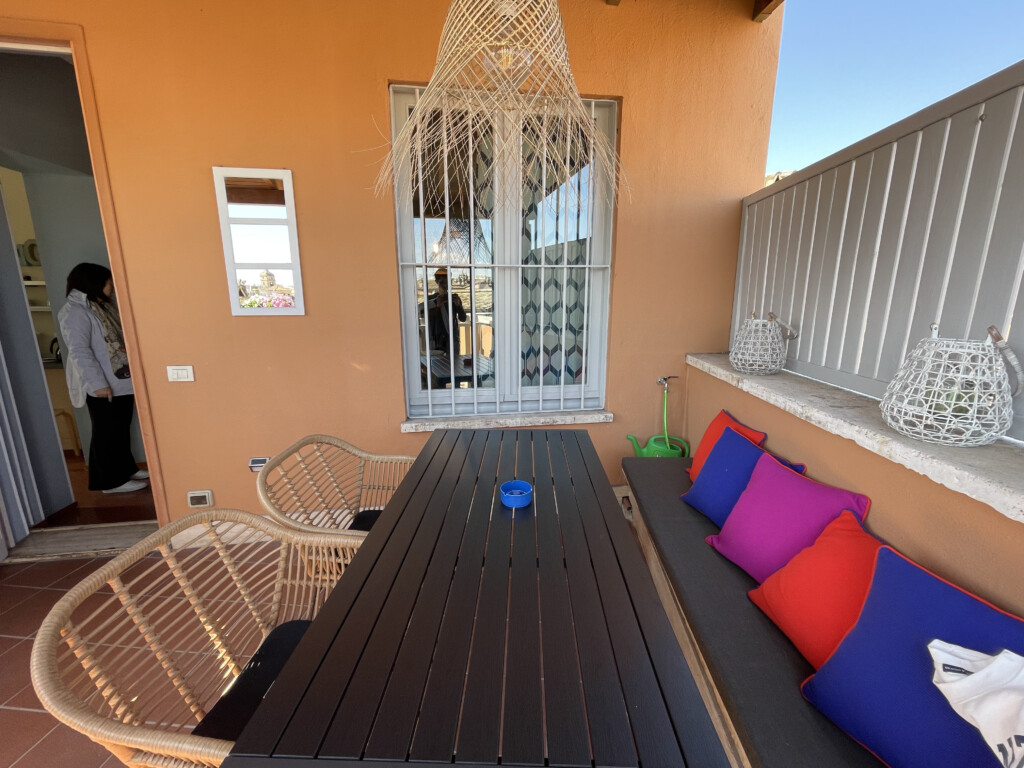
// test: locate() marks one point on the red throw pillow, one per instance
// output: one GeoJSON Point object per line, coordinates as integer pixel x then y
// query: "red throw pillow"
{"type": "Point", "coordinates": [816, 598]}
{"type": "Point", "coordinates": [713, 432]}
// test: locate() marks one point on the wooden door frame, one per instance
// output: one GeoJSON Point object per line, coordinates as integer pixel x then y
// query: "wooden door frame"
{"type": "Point", "coordinates": [73, 36]}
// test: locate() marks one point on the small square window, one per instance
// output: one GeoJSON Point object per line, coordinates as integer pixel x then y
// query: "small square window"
{"type": "Point", "coordinates": [261, 243]}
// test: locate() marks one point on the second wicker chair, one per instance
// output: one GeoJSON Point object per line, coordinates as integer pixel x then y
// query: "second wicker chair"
{"type": "Point", "coordinates": [322, 483]}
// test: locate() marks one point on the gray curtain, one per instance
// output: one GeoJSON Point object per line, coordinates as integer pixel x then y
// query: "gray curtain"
{"type": "Point", "coordinates": [19, 496]}
{"type": "Point", "coordinates": [33, 476]}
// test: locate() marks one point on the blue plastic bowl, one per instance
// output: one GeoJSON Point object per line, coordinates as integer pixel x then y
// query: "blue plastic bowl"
{"type": "Point", "coordinates": [516, 493]}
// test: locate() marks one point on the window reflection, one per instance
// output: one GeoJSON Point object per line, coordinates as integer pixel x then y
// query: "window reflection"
{"type": "Point", "coordinates": [456, 327]}
{"type": "Point", "coordinates": [257, 216]}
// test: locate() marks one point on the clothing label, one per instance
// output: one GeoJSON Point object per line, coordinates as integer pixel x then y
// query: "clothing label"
{"type": "Point", "coordinates": [957, 670]}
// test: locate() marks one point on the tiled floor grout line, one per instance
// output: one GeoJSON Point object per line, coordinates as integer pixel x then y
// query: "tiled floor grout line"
{"type": "Point", "coordinates": [31, 591]}
{"type": "Point", "coordinates": [26, 752]}
{"type": "Point", "coordinates": [58, 738]}
{"type": "Point", "coordinates": [22, 709]}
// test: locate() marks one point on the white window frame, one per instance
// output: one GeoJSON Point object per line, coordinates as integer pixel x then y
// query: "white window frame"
{"type": "Point", "coordinates": [507, 396]}
{"type": "Point", "coordinates": [220, 173]}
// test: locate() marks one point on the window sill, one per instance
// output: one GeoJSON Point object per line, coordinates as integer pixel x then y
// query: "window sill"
{"type": "Point", "coordinates": [507, 420]}
{"type": "Point", "coordinates": [990, 473]}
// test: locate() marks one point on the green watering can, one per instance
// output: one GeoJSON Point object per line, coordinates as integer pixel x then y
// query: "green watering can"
{"type": "Point", "coordinates": [664, 445]}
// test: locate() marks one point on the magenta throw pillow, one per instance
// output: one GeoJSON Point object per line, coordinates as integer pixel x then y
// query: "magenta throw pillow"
{"type": "Point", "coordinates": [779, 514]}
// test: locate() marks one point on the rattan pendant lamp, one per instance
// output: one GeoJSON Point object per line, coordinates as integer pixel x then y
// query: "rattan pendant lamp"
{"type": "Point", "coordinates": [501, 81]}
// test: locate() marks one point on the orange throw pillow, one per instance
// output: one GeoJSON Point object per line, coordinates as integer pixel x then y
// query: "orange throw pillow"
{"type": "Point", "coordinates": [713, 432]}
{"type": "Point", "coordinates": [816, 598]}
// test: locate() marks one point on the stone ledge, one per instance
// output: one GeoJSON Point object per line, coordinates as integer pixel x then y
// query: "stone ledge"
{"type": "Point", "coordinates": [507, 420]}
{"type": "Point", "coordinates": [992, 474]}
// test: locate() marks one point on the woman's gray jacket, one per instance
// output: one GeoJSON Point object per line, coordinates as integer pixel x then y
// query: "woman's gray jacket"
{"type": "Point", "coordinates": [87, 363]}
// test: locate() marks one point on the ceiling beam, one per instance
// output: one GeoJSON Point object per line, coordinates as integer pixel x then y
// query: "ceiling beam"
{"type": "Point", "coordinates": [763, 8]}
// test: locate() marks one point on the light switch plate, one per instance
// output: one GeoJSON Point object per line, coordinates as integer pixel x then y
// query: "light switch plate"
{"type": "Point", "coordinates": [180, 373]}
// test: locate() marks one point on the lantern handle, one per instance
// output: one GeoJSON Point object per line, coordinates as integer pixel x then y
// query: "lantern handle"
{"type": "Point", "coordinates": [787, 330]}
{"type": "Point", "coordinates": [1010, 357]}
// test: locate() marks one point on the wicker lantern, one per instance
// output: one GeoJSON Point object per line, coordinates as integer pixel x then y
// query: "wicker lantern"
{"type": "Point", "coordinates": [760, 346]}
{"type": "Point", "coordinates": [954, 391]}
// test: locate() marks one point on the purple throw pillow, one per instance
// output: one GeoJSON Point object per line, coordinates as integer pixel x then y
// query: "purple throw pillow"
{"type": "Point", "coordinates": [779, 514]}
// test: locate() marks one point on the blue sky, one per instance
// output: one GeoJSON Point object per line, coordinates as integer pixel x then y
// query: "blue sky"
{"type": "Point", "coordinates": [848, 68]}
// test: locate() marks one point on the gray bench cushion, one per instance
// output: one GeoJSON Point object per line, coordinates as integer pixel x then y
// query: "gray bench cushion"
{"type": "Point", "coordinates": [756, 669]}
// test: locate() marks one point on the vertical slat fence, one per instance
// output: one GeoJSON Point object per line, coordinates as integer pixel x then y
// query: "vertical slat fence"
{"type": "Point", "coordinates": [921, 223]}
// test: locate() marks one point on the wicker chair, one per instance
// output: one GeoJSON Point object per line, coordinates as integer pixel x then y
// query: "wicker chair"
{"type": "Point", "coordinates": [136, 654]}
{"type": "Point", "coordinates": [321, 483]}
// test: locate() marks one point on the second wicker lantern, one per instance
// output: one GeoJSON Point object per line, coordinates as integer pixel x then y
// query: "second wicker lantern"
{"type": "Point", "coordinates": [760, 346]}
{"type": "Point", "coordinates": [954, 391]}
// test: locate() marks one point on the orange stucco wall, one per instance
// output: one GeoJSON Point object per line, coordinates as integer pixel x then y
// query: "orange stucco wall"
{"type": "Point", "coordinates": [178, 87]}
{"type": "Point", "coordinates": [963, 540]}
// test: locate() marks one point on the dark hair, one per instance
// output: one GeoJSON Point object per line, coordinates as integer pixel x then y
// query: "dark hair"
{"type": "Point", "coordinates": [90, 279]}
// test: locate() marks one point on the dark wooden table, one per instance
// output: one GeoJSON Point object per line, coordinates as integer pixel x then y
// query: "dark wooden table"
{"type": "Point", "coordinates": [471, 634]}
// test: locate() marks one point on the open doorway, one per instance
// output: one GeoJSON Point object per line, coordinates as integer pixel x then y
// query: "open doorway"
{"type": "Point", "coordinates": [51, 216]}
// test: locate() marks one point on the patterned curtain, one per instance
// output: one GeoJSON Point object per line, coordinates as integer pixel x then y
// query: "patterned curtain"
{"type": "Point", "coordinates": [553, 229]}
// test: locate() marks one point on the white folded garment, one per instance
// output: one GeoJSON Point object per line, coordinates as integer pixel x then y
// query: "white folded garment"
{"type": "Point", "coordinates": [986, 691]}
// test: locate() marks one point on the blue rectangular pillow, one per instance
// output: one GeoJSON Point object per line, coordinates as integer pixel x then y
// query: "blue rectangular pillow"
{"type": "Point", "coordinates": [877, 685]}
{"type": "Point", "coordinates": [725, 475]}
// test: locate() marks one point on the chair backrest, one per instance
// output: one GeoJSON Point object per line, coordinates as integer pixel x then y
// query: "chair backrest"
{"type": "Point", "coordinates": [322, 483]}
{"type": "Point", "coordinates": [138, 652]}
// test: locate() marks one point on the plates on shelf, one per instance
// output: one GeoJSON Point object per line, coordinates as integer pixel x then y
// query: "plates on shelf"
{"type": "Point", "coordinates": [30, 252]}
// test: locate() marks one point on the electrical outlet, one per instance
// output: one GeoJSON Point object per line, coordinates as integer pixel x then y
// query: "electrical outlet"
{"type": "Point", "coordinates": [200, 498]}
{"type": "Point", "coordinates": [256, 463]}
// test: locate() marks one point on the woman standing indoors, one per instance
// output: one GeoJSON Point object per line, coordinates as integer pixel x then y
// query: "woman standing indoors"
{"type": "Point", "coordinates": [98, 377]}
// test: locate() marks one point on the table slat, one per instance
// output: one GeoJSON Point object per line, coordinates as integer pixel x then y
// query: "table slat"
{"type": "Point", "coordinates": [350, 729]}
{"type": "Point", "coordinates": [565, 715]}
{"type": "Point", "coordinates": [610, 732]}
{"type": "Point", "coordinates": [315, 711]}
{"type": "Point", "coordinates": [434, 740]}
{"type": "Point", "coordinates": [264, 729]}
{"type": "Point", "coordinates": [655, 738]}
{"type": "Point", "coordinates": [479, 729]}
{"type": "Point", "coordinates": [701, 746]}
{"type": "Point", "coordinates": [396, 719]}
{"type": "Point", "coordinates": [522, 741]}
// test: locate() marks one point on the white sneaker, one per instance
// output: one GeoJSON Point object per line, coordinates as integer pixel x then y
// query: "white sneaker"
{"type": "Point", "coordinates": [127, 487]}
{"type": "Point", "coordinates": [142, 474]}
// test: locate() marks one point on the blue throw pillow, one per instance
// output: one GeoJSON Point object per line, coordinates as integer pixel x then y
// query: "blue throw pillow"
{"type": "Point", "coordinates": [877, 685]}
{"type": "Point", "coordinates": [725, 475]}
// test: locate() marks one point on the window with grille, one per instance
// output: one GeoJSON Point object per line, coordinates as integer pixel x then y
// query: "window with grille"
{"type": "Point", "coordinates": [504, 295]}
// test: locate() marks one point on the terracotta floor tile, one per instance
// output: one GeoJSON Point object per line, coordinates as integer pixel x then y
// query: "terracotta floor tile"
{"type": "Point", "coordinates": [45, 573]}
{"type": "Point", "coordinates": [6, 643]}
{"type": "Point", "coordinates": [11, 596]}
{"type": "Point", "coordinates": [14, 673]}
{"type": "Point", "coordinates": [24, 619]}
{"type": "Point", "coordinates": [21, 732]}
{"type": "Point", "coordinates": [12, 570]}
{"type": "Point", "coordinates": [64, 747]}
{"type": "Point", "coordinates": [25, 699]}
{"type": "Point", "coordinates": [72, 578]}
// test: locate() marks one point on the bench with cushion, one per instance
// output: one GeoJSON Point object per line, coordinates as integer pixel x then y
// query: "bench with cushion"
{"type": "Point", "coordinates": [748, 671]}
